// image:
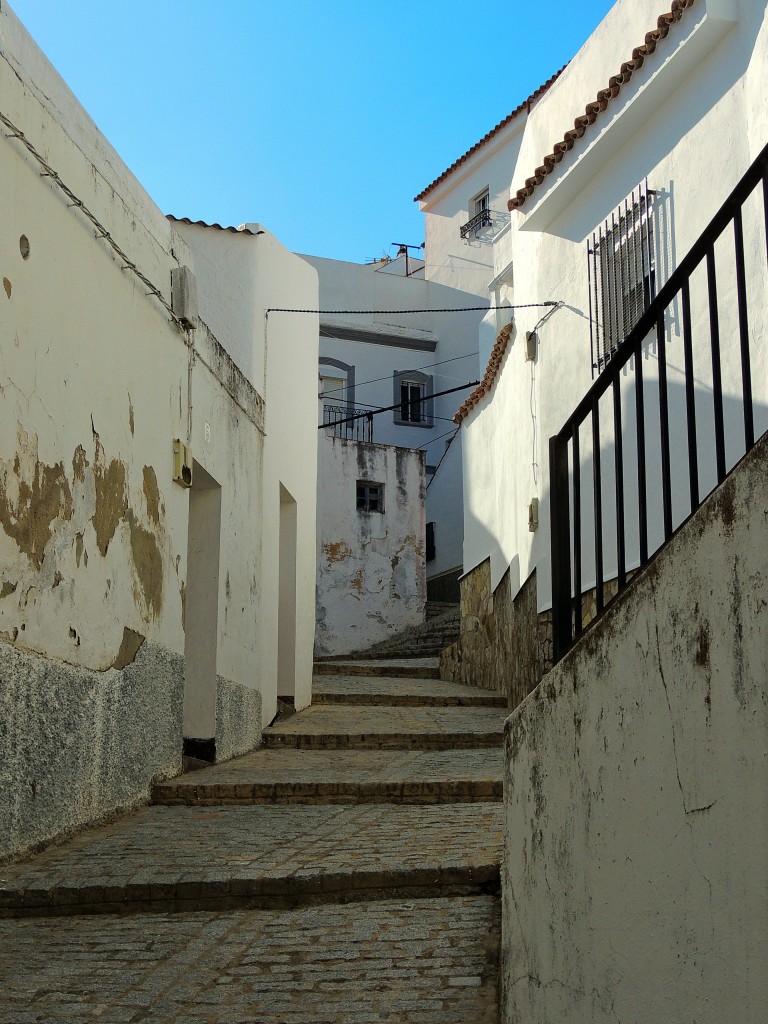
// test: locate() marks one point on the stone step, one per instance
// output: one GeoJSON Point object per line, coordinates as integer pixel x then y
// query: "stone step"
{"type": "Point", "coordinates": [341, 777]}
{"type": "Point", "coordinates": [414, 668]}
{"type": "Point", "coordinates": [397, 691]}
{"type": "Point", "coordinates": [373, 727]}
{"type": "Point", "coordinates": [196, 858]}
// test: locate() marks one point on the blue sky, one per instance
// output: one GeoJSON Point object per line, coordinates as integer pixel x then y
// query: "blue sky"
{"type": "Point", "coordinates": [321, 120]}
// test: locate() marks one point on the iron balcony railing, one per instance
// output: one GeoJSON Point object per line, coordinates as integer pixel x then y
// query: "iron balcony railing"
{"type": "Point", "coordinates": [339, 420]}
{"type": "Point", "coordinates": [715, 273]}
{"type": "Point", "coordinates": [481, 220]}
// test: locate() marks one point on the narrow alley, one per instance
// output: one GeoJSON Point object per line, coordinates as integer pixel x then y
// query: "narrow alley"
{"type": "Point", "coordinates": [348, 871]}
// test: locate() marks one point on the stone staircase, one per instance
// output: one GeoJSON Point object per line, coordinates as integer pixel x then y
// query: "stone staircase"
{"type": "Point", "coordinates": [347, 872]}
{"type": "Point", "coordinates": [439, 630]}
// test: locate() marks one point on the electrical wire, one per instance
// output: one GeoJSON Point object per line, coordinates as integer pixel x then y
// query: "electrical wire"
{"type": "Point", "coordinates": [412, 369]}
{"type": "Point", "coordinates": [404, 312]}
{"type": "Point", "coordinates": [397, 405]}
{"type": "Point", "coordinates": [447, 449]}
{"type": "Point", "coordinates": [423, 447]}
{"type": "Point", "coordinates": [388, 408]}
{"type": "Point", "coordinates": [127, 264]}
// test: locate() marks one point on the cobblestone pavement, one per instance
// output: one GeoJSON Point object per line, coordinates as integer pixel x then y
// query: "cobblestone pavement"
{"type": "Point", "coordinates": [418, 960]}
{"type": "Point", "coordinates": [249, 912]}
{"type": "Point", "coordinates": [356, 689]}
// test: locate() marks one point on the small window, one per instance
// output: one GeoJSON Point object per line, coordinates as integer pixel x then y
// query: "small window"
{"type": "Point", "coordinates": [411, 401]}
{"type": "Point", "coordinates": [370, 497]}
{"type": "Point", "coordinates": [479, 203]}
{"type": "Point", "coordinates": [480, 218]}
{"type": "Point", "coordinates": [412, 398]}
{"type": "Point", "coordinates": [333, 390]}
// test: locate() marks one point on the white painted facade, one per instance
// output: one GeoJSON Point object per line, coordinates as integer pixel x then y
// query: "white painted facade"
{"type": "Point", "coordinates": [370, 355]}
{"type": "Point", "coordinates": [371, 581]}
{"type": "Point", "coordinates": [104, 558]}
{"type": "Point", "coordinates": [244, 274]}
{"type": "Point", "coordinates": [691, 120]}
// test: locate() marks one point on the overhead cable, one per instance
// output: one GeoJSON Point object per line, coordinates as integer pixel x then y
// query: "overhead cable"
{"type": "Point", "coordinates": [404, 312]}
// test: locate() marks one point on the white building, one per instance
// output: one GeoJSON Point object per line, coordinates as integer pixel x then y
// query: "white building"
{"type": "Point", "coordinates": [638, 206]}
{"type": "Point", "coordinates": [153, 485]}
{"type": "Point", "coordinates": [683, 119]}
{"type": "Point", "coordinates": [398, 356]}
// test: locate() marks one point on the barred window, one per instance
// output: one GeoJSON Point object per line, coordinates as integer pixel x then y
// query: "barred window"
{"type": "Point", "coordinates": [370, 496]}
{"type": "Point", "coordinates": [621, 273]}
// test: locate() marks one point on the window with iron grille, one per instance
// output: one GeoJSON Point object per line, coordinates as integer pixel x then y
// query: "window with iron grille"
{"type": "Point", "coordinates": [621, 273]}
{"type": "Point", "coordinates": [370, 497]}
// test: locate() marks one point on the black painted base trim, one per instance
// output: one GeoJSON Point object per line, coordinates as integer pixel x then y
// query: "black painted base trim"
{"type": "Point", "coordinates": [201, 750]}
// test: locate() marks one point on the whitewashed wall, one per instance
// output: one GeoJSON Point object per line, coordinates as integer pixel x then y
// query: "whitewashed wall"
{"type": "Point", "coordinates": [696, 125]}
{"type": "Point", "coordinates": [449, 259]}
{"type": "Point", "coordinates": [371, 582]}
{"type": "Point", "coordinates": [242, 274]}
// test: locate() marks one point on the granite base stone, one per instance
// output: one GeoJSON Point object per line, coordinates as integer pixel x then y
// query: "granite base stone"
{"type": "Point", "coordinates": [78, 746]}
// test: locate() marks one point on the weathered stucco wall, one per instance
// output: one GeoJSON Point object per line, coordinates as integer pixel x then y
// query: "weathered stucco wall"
{"type": "Point", "coordinates": [371, 581]}
{"type": "Point", "coordinates": [636, 860]}
{"type": "Point", "coordinates": [97, 379]}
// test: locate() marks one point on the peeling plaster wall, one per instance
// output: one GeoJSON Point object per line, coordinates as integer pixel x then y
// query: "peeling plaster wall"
{"type": "Point", "coordinates": [96, 380]}
{"type": "Point", "coordinates": [371, 580]}
{"type": "Point", "coordinates": [635, 863]}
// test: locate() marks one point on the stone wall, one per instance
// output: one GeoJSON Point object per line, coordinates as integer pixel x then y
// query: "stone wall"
{"type": "Point", "coordinates": [505, 644]}
{"type": "Point", "coordinates": [77, 746]}
{"type": "Point", "coordinates": [238, 719]}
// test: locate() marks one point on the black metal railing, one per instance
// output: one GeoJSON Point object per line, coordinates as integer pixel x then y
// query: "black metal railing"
{"type": "Point", "coordinates": [338, 419]}
{"type": "Point", "coordinates": [481, 220]}
{"type": "Point", "coordinates": [633, 420]}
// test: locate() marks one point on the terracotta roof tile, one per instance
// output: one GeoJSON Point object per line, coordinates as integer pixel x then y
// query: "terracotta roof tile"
{"type": "Point", "coordinates": [489, 377]}
{"type": "Point", "coordinates": [599, 104]}
{"type": "Point", "coordinates": [524, 106]}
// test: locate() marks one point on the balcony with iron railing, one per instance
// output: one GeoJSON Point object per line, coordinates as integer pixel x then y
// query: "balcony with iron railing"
{"type": "Point", "coordinates": [481, 220]}
{"type": "Point", "coordinates": [347, 423]}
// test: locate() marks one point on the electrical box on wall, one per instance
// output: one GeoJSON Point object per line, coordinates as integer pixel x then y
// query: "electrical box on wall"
{"type": "Point", "coordinates": [184, 296]}
{"type": "Point", "coordinates": [533, 515]}
{"type": "Point", "coordinates": [531, 341]}
{"type": "Point", "coordinates": [182, 464]}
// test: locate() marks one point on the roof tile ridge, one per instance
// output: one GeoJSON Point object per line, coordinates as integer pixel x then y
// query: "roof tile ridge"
{"type": "Point", "coordinates": [490, 375]}
{"type": "Point", "coordinates": [524, 106]}
{"type": "Point", "coordinates": [598, 105]}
